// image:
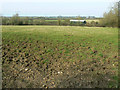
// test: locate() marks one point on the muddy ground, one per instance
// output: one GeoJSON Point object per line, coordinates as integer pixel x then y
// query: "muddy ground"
{"type": "Point", "coordinates": [47, 69]}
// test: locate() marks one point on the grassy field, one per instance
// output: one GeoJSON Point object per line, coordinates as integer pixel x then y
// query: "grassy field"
{"type": "Point", "coordinates": [59, 56]}
{"type": "Point", "coordinates": [88, 20]}
{"type": "Point", "coordinates": [95, 20]}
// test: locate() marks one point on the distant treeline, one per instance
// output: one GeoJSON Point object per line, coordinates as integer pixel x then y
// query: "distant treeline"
{"type": "Point", "coordinates": [110, 19]}
{"type": "Point", "coordinates": [63, 21]}
{"type": "Point", "coordinates": [17, 20]}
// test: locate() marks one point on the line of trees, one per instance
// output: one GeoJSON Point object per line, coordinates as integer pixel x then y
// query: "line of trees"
{"type": "Point", "coordinates": [17, 20]}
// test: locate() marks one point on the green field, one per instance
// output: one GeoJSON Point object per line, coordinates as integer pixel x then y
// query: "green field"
{"type": "Point", "coordinates": [59, 56]}
{"type": "Point", "coordinates": [53, 20]}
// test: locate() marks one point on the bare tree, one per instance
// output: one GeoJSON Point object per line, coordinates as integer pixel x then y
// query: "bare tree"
{"type": "Point", "coordinates": [110, 18]}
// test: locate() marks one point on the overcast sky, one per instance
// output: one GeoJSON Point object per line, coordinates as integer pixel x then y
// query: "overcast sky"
{"type": "Point", "coordinates": [55, 7]}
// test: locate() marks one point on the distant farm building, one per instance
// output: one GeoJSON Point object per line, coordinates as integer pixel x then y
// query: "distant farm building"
{"type": "Point", "coordinates": [78, 21]}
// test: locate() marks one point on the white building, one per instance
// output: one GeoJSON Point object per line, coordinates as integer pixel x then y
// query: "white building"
{"type": "Point", "coordinates": [83, 21]}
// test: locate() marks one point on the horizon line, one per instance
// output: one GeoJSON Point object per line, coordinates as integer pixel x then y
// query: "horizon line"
{"type": "Point", "coordinates": [51, 15]}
